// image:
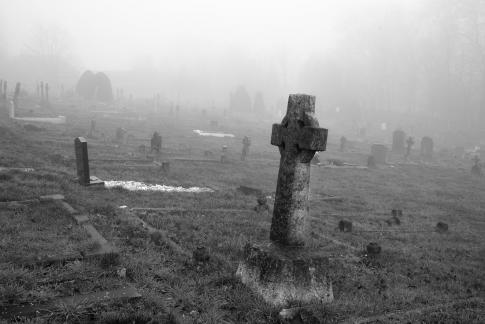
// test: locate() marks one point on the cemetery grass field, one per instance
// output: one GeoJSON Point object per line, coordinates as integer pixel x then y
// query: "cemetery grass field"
{"type": "Point", "coordinates": [421, 276]}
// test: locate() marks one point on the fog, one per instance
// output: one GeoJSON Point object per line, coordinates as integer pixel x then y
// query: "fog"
{"type": "Point", "coordinates": [360, 58]}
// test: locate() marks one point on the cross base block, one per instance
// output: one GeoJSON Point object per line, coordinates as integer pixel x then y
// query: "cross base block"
{"type": "Point", "coordinates": [282, 275]}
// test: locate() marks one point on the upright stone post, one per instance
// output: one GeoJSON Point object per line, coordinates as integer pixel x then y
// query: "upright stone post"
{"type": "Point", "coordinates": [16, 96]}
{"type": "Point", "coordinates": [5, 90]}
{"type": "Point", "coordinates": [41, 91]}
{"type": "Point", "coordinates": [398, 139]}
{"type": "Point", "coordinates": [47, 92]}
{"type": "Point", "coordinates": [245, 150]}
{"type": "Point", "coordinates": [82, 163]}
{"type": "Point", "coordinates": [284, 270]}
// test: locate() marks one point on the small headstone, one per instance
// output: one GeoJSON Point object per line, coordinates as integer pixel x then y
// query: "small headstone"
{"type": "Point", "coordinates": [343, 143]}
{"type": "Point", "coordinates": [142, 149]}
{"type": "Point", "coordinates": [371, 162]}
{"type": "Point", "coordinates": [208, 153]}
{"type": "Point", "coordinates": [156, 143]}
{"type": "Point", "coordinates": [245, 150]}
{"type": "Point", "coordinates": [345, 226]}
{"type": "Point", "coordinates": [82, 163]}
{"type": "Point", "coordinates": [373, 248]}
{"type": "Point", "coordinates": [262, 205]}
{"type": "Point", "coordinates": [120, 134]}
{"type": "Point", "coordinates": [166, 167]}
{"type": "Point", "coordinates": [201, 254]}
{"type": "Point", "coordinates": [398, 138]}
{"type": "Point", "coordinates": [476, 168]}
{"type": "Point", "coordinates": [379, 152]}
{"type": "Point", "coordinates": [441, 227]}
{"type": "Point", "coordinates": [409, 145]}
{"type": "Point", "coordinates": [224, 154]}
{"type": "Point", "coordinates": [427, 147]}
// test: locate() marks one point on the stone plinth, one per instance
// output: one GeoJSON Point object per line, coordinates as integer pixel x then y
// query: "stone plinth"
{"type": "Point", "coordinates": [379, 152]}
{"type": "Point", "coordinates": [281, 275]}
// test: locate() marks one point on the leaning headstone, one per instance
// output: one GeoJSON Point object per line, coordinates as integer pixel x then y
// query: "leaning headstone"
{"type": "Point", "coordinates": [284, 270]}
{"type": "Point", "coordinates": [427, 147]}
{"type": "Point", "coordinates": [398, 138]}
{"type": "Point", "coordinates": [379, 153]}
{"type": "Point", "coordinates": [245, 150]}
{"type": "Point", "coordinates": [82, 163]}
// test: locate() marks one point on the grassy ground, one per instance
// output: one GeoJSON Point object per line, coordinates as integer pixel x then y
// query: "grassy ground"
{"type": "Point", "coordinates": [417, 268]}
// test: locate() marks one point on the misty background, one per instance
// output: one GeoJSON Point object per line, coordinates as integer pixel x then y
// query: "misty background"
{"type": "Point", "coordinates": [418, 64]}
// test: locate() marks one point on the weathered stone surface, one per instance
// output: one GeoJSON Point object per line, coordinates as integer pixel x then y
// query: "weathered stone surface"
{"type": "Point", "coordinates": [427, 147]}
{"type": "Point", "coordinates": [82, 163]}
{"type": "Point", "coordinates": [379, 153]}
{"type": "Point", "coordinates": [398, 139]}
{"type": "Point", "coordinates": [282, 274]}
{"type": "Point", "coordinates": [298, 137]}
{"type": "Point", "coordinates": [82, 160]}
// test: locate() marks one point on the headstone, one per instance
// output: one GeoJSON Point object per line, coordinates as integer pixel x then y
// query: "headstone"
{"type": "Point", "coordinates": [41, 91]}
{"type": "Point", "coordinates": [379, 153]}
{"type": "Point", "coordinates": [245, 150]}
{"type": "Point", "coordinates": [476, 168]}
{"type": "Point", "coordinates": [214, 123]}
{"type": "Point", "coordinates": [1, 89]}
{"type": "Point", "coordinates": [16, 96]}
{"type": "Point", "coordinates": [427, 147]}
{"type": "Point", "coordinates": [92, 129]}
{"type": "Point", "coordinates": [345, 226]}
{"type": "Point", "coordinates": [398, 138]}
{"type": "Point", "coordinates": [343, 142]}
{"type": "Point", "coordinates": [284, 270]}
{"type": "Point", "coordinates": [166, 166]}
{"type": "Point", "coordinates": [262, 205]}
{"type": "Point", "coordinates": [409, 146]}
{"type": "Point", "coordinates": [142, 149]}
{"type": "Point", "coordinates": [5, 90]}
{"type": "Point", "coordinates": [441, 227]}
{"type": "Point", "coordinates": [120, 134]}
{"type": "Point", "coordinates": [224, 154]}
{"type": "Point", "coordinates": [47, 92]}
{"type": "Point", "coordinates": [82, 163]}
{"type": "Point", "coordinates": [371, 162]}
{"type": "Point", "coordinates": [373, 249]}
{"type": "Point", "coordinates": [156, 143]}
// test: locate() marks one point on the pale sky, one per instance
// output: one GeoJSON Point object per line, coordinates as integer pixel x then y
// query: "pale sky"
{"type": "Point", "coordinates": [111, 34]}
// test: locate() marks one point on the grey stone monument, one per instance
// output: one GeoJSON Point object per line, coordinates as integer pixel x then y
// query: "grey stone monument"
{"type": "Point", "coordinates": [379, 153]}
{"type": "Point", "coordinates": [427, 147]}
{"type": "Point", "coordinates": [284, 270]}
{"type": "Point", "coordinates": [398, 140]}
{"type": "Point", "coordinates": [82, 163]}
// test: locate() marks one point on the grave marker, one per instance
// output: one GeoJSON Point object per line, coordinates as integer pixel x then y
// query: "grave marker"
{"type": "Point", "coordinates": [398, 138]}
{"type": "Point", "coordinates": [379, 153]}
{"type": "Point", "coordinates": [5, 90]}
{"type": "Point", "coordinates": [343, 142]}
{"type": "Point", "coordinates": [82, 163]}
{"type": "Point", "coordinates": [156, 143]}
{"type": "Point", "coordinates": [246, 143]}
{"type": "Point", "coordinates": [427, 147]}
{"type": "Point", "coordinates": [409, 145]}
{"type": "Point", "coordinates": [284, 270]}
